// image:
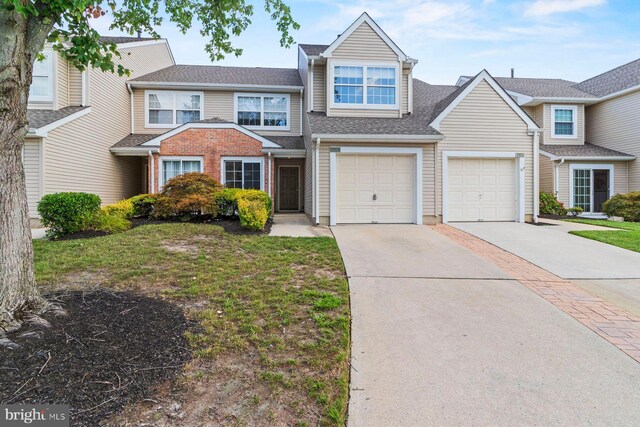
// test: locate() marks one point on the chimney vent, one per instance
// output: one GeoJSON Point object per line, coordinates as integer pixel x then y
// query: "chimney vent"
{"type": "Point", "coordinates": [139, 34]}
{"type": "Point", "coordinates": [513, 72]}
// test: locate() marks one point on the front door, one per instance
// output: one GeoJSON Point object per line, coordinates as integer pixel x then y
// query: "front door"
{"type": "Point", "coordinates": [600, 188]}
{"type": "Point", "coordinates": [289, 188]}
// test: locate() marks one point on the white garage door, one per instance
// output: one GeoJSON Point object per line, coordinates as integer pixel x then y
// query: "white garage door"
{"type": "Point", "coordinates": [482, 190]}
{"type": "Point", "coordinates": [375, 188]}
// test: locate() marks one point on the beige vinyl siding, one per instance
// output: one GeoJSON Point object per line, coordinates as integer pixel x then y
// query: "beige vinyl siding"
{"type": "Point", "coordinates": [404, 96]}
{"type": "Point", "coordinates": [364, 44]}
{"type": "Point", "coordinates": [615, 124]}
{"type": "Point", "coordinates": [32, 160]}
{"type": "Point", "coordinates": [548, 126]}
{"type": "Point", "coordinates": [546, 174]}
{"type": "Point", "coordinates": [218, 104]}
{"type": "Point", "coordinates": [75, 86]}
{"type": "Point", "coordinates": [62, 82]}
{"type": "Point", "coordinates": [308, 168]}
{"type": "Point", "coordinates": [620, 178]}
{"type": "Point", "coordinates": [530, 111]}
{"type": "Point", "coordinates": [319, 87]}
{"type": "Point", "coordinates": [483, 121]}
{"type": "Point", "coordinates": [77, 156]}
{"type": "Point", "coordinates": [303, 70]}
{"type": "Point", "coordinates": [428, 181]}
{"type": "Point", "coordinates": [538, 117]}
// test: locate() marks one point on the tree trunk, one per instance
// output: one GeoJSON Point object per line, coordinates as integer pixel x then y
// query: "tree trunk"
{"type": "Point", "coordinates": [19, 296]}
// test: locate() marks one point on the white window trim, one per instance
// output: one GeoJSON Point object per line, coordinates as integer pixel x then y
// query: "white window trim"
{"type": "Point", "coordinates": [173, 93]}
{"type": "Point", "coordinates": [243, 160]}
{"type": "Point", "coordinates": [161, 181]}
{"type": "Point", "coordinates": [51, 97]}
{"type": "Point", "coordinates": [573, 108]}
{"type": "Point", "coordinates": [262, 96]}
{"type": "Point", "coordinates": [333, 175]}
{"type": "Point", "coordinates": [590, 166]}
{"type": "Point", "coordinates": [364, 65]}
{"type": "Point", "coordinates": [519, 176]}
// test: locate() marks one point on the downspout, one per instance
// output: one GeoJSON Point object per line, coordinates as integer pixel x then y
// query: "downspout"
{"type": "Point", "coordinates": [317, 181]}
{"type": "Point", "coordinates": [556, 173]}
{"type": "Point", "coordinates": [536, 177]}
{"type": "Point", "coordinates": [269, 177]}
{"type": "Point", "coordinates": [410, 89]}
{"type": "Point", "coordinates": [310, 92]}
{"type": "Point", "coordinates": [83, 80]}
{"type": "Point", "coordinates": [301, 93]}
{"type": "Point", "coordinates": [131, 105]}
{"type": "Point", "coordinates": [152, 172]}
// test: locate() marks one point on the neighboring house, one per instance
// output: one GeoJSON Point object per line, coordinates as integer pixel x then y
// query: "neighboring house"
{"type": "Point", "coordinates": [349, 136]}
{"type": "Point", "coordinates": [75, 117]}
{"type": "Point", "coordinates": [591, 136]}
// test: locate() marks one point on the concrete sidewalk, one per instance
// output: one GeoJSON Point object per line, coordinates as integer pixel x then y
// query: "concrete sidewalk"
{"type": "Point", "coordinates": [296, 225]}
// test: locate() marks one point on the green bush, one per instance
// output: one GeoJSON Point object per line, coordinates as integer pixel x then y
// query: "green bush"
{"type": "Point", "coordinates": [550, 205]}
{"type": "Point", "coordinates": [123, 208]}
{"type": "Point", "coordinates": [188, 196]}
{"type": "Point", "coordinates": [624, 205]}
{"type": "Point", "coordinates": [228, 200]}
{"type": "Point", "coordinates": [110, 222]}
{"type": "Point", "coordinates": [65, 213]}
{"type": "Point", "coordinates": [253, 214]}
{"type": "Point", "coordinates": [143, 204]}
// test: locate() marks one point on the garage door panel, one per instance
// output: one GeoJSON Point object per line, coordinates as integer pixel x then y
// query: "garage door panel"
{"type": "Point", "coordinates": [390, 177]}
{"type": "Point", "coordinates": [481, 190]}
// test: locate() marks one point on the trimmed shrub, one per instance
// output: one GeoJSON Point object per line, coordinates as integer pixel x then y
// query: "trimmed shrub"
{"type": "Point", "coordinates": [253, 214]}
{"type": "Point", "coordinates": [549, 204]}
{"type": "Point", "coordinates": [228, 200]}
{"type": "Point", "coordinates": [188, 196]}
{"type": "Point", "coordinates": [110, 222]}
{"type": "Point", "coordinates": [123, 208]}
{"type": "Point", "coordinates": [625, 205]}
{"type": "Point", "coordinates": [65, 213]}
{"type": "Point", "coordinates": [143, 204]}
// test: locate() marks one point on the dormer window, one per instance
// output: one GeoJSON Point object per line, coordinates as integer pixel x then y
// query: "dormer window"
{"type": "Point", "coordinates": [41, 89]}
{"type": "Point", "coordinates": [365, 86]}
{"type": "Point", "coordinates": [564, 121]}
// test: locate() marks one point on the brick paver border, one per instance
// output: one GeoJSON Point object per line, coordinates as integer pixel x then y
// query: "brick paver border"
{"type": "Point", "coordinates": [617, 326]}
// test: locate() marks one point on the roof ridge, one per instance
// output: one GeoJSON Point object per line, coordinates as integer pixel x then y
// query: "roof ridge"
{"type": "Point", "coordinates": [608, 71]}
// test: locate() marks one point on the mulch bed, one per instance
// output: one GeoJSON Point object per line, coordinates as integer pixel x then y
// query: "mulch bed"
{"type": "Point", "coordinates": [230, 225]}
{"type": "Point", "coordinates": [111, 349]}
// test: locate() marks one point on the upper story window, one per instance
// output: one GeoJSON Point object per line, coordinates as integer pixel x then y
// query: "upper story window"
{"type": "Point", "coordinates": [170, 109]}
{"type": "Point", "coordinates": [262, 111]}
{"type": "Point", "coordinates": [365, 86]}
{"type": "Point", "coordinates": [564, 121]}
{"type": "Point", "coordinates": [42, 83]}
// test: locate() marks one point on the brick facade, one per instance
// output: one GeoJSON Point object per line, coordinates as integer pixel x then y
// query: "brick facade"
{"type": "Point", "coordinates": [211, 145]}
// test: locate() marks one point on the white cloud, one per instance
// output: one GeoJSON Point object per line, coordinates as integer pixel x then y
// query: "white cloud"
{"type": "Point", "coordinates": [549, 7]}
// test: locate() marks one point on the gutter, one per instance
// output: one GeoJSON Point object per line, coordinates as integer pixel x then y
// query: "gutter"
{"type": "Point", "coordinates": [554, 157]}
{"type": "Point", "coordinates": [556, 184]}
{"type": "Point", "coordinates": [218, 86]}
{"type": "Point", "coordinates": [378, 137]}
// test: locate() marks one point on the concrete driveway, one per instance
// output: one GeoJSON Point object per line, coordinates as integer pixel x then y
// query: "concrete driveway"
{"type": "Point", "coordinates": [441, 337]}
{"type": "Point", "coordinates": [557, 251]}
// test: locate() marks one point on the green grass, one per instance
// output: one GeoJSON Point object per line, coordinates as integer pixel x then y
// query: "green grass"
{"type": "Point", "coordinates": [627, 239]}
{"type": "Point", "coordinates": [285, 301]}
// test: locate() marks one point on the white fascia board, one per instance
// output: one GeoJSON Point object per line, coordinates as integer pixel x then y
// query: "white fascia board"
{"type": "Point", "coordinates": [619, 93]}
{"type": "Point", "coordinates": [283, 152]}
{"type": "Point", "coordinates": [548, 99]}
{"type": "Point", "coordinates": [213, 86]}
{"type": "Point", "coordinates": [378, 137]}
{"type": "Point", "coordinates": [266, 143]}
{"type": "Point", "coordinates": [354, 26]}
{"type": "Point", "coordinates": [138, 151]}
{"type": "Point", "coordinates": [44, 130]}
{"type": "Point", "coordinates": [484, 75]}
{"type": "Point", "coordinates": [555, 157]}
{"type": "Point", "coordinates": [525, 98]}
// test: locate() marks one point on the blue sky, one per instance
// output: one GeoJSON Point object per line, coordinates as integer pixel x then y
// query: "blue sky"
{"type": "Point", "coordinates": [571, 39]}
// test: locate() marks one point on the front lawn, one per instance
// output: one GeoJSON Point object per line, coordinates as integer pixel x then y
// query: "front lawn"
{"type": "Point", "coordinates": [628, 239]}
{"type": "Point", "coordinates": [271, 345]}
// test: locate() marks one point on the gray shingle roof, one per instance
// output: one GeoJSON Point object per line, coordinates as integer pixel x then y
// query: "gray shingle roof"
{"type": "Point", "coordinates": [620, 78]}
{"type": "Point", "coordinates": [313, 49]}
{"type": "Point", "coordinates": [586, 150]}
{"type": "Point", "coordinates": [545, 88]}
{"type": "Point", "coordinates": [288, 142]}
{"type": "Point", "coordinates": [133, 140]}
{"type": "Point", "coordinates": [213, 74]}
{"type": "Point", "coordinates": [40, 118]}
{"type": "Point", "coordinates": [124, 39]}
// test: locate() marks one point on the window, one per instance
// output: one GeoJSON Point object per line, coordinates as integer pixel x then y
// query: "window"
{"type": "Point", "coordinates": [243, 172]}
{"type": "Point", "coordinates": [564, 121]}
{"type": "Point", "coordinates": [174, 166]}
{"type": "Point", "coordinates": [170, 109]}
{"type": "Point", "coordinates": [263, 111]}
{"type": "Point", "coordinates": [42, 84]}
{"type": "Point", "coordinates": [368, 86]}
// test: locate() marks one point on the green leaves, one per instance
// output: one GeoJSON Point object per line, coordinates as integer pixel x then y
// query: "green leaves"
{"type": "Point", "coordinates": [75, 39]}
